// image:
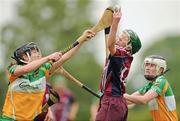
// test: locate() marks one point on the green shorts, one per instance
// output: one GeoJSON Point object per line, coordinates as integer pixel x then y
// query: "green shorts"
{"type": "Point", "coordinates": [5, 118]}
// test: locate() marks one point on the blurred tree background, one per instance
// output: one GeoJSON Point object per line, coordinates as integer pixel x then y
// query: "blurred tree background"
{"type": "Point", "coordinates": [54, 24]}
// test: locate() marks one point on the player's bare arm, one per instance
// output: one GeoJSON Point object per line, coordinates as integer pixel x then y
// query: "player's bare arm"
{"type": "Point", "coordinates": [87, 34]}
{"type": "Point", "coordinates": [141, 99]}
{"type": "Point", "coordinates": [20, 70]}
{"type": "Point", "coordinates": [112, 36]}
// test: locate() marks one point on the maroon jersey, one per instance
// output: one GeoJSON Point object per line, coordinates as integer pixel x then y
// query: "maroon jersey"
{"type": "Point", "coordinates": [61, 110]}
{"type": "Point", "coordinates": [42, 116]}
{"type": "Point", "coordinates": [115, 72]}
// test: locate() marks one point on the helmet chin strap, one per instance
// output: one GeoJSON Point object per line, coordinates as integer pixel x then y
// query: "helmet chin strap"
{"type": "Point", "coordinates": [150, 78]}
{"type": "Point", "coordinates": [128, 46]}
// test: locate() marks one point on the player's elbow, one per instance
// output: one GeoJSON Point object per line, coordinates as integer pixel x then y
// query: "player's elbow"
{"type": "Point", "coordinates": [112, 49]}
{"type": "Point", "coordinates": [110, 44]}
{"type": "Point", "coordinates": [144, 101]}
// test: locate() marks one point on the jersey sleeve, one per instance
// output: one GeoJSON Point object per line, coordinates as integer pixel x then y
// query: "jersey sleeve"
{"type": "Point", "coordinates": [11, 71]}
{"type": "Point", "coordinates": [47, 66]}
{"type": "Point", "coordinates": [158, 86]}
{"type": "Point", "coordinates": [144, 89]}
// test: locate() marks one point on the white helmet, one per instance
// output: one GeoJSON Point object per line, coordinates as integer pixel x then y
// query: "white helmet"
{"type": "Point", "coordinates": [159, 61]}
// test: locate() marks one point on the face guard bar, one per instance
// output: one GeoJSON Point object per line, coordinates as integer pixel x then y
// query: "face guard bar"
{"type": "Point", "coordinates": [24, 49]}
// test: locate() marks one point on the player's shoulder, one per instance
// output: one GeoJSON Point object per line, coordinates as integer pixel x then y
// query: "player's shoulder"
{"type": "Point", "coordinates": [161, 79]}
{"type": "Point", "coordinates": [47, 65]}
{"type": "Point", "coordinates": [122, 51]}
{"type": "Point", "coordinates": [12, 68]}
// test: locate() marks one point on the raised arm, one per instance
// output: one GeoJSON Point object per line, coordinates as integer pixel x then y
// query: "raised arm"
{"type": "Point", "coordinates": [87, 34]}
{"type": "Point", "coordinates": [112, 35]}
{"type": "Point", "coordinates": [21, 70]}
{"type": "Point", "coordinates": [106, 32]}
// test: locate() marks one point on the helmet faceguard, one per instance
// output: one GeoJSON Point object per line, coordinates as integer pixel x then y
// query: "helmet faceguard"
{"type": "Point", "coordinates": [25, 49]}
{"type": "Point", "coordinates": [159, 61]}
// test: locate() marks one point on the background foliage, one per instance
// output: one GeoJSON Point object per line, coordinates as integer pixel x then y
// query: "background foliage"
{"type": "Point", "coordinates": [54, 24]}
